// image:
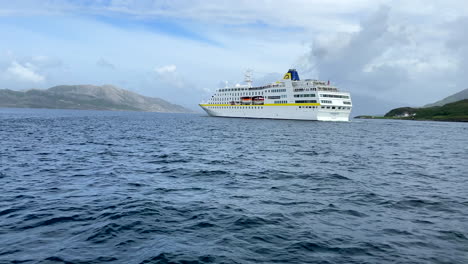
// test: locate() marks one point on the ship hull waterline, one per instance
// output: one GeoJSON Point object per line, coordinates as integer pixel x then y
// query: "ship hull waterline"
{"type": "Point", "coordinates": [278, 112]}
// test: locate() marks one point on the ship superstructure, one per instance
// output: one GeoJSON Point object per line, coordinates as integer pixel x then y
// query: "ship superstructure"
{"type": "Point", "coordinates": [289, 98]}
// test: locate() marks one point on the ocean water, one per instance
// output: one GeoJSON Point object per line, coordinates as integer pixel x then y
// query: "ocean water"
{"type": "Point", "coordinates": [128, 187]}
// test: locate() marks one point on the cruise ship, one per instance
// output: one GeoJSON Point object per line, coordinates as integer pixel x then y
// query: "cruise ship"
{"type": "Point", "coordinates": [289, 98]}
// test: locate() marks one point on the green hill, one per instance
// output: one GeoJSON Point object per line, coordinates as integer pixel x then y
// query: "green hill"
{"type": "Point", "coordinates": [457, 111]}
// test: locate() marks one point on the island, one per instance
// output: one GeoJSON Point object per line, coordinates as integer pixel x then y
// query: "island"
{"type": "Point", "coordinates": [457, 112]}
{"type": "Point", "coordinates": [451, 108]}
{"type": "Point", "coordinates": [86, 97]}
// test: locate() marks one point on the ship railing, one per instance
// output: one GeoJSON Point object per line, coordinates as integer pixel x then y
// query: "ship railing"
{"type": "Point", "coordinates": [266, 86]}
{"type": "Point", "coordinates": [334, 89]}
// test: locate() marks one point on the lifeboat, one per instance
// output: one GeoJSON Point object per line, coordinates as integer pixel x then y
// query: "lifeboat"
{"type": "Point", "coordinates": [258, 100]}
{"type": "Point", "coordinates": [246, 100]}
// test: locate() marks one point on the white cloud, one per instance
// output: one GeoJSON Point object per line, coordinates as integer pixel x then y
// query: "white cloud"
{"type": "Point", "coordinates": [391, 59]}
{"type": "Point", "coordinates": [169, 76]}
{"type": "Point", "coordinates": [318, 15]}
{"type": "Point", "coordinates": [166, 69]}
{"type": "Point", "coordinates": [26, 73]}
{"type": "Point", "coordinates": [347, 57]}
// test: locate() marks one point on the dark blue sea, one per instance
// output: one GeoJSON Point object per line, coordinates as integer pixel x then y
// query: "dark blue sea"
{"type": "Point", "coordinates": [129, 187]}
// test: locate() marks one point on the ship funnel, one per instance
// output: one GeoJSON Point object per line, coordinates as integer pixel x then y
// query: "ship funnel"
{"type": "Point", "coordinates": [292, 75]}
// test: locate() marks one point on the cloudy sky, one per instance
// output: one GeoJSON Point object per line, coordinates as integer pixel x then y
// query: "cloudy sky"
{"type": "Point", "coordinates": [409, 52]}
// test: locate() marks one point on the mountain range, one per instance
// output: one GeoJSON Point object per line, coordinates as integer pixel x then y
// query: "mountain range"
{"type": "Point", "coordinates": [450, 99]}
{"type": "Point", "coordinates": [89, 97]}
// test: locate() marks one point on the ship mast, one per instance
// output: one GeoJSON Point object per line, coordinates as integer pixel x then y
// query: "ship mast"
{"type": "Point", "coordinates": [248, 77]}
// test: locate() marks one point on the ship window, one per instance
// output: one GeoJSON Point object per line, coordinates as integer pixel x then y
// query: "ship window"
{"type": "Point", "coordinates": [335, 96]}
{"type": "Point", "coordinates": [333, 107]}
{"type": "Point", "coordinates": [305, 101]}
{"type": "Point", "coordinates": [304, 95]}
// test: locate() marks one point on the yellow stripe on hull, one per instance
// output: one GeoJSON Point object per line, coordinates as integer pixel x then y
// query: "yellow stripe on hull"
{"type": "Point", "coordinates": [309, 104]}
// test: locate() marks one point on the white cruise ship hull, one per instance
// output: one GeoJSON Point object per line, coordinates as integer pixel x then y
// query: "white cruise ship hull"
{"type": "Point", "coordinates": [292, 112]}
{"type": "Point", "coordinates": [289, 98]}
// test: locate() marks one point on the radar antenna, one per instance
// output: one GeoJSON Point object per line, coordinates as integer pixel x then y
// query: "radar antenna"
{"type": "Point", "coordinates": [248, 77]}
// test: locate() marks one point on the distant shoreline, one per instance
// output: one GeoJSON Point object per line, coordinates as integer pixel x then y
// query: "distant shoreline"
{"type": "Point", "coordinates": [410, 118]}
{"type": "Point", "coordinates": [451, 112]}
{"type": "Point", "coordinates": [105, 110]}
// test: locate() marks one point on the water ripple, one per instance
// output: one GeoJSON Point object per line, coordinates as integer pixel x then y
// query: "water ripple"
{"type": "Point", "coordinates": [121, 187]}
